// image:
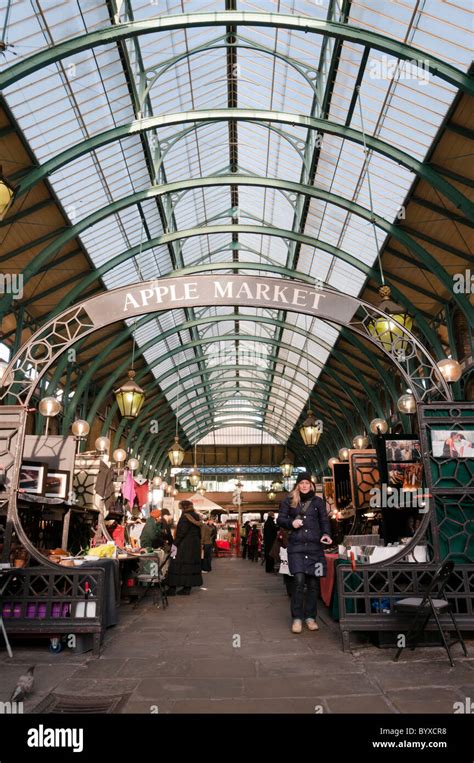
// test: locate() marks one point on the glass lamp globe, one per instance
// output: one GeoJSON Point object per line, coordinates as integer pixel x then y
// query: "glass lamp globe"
{"type": "Point", "coordinates": [360, 442]}
{"type": "Point", "coordinates": [450, 369]}
{"type": "Point", "coordinates": [406, 403]}
{"type": "Point", "coordinates": [194, 476]}
{"type": "Point", "coordinates": [332, 461]}
{"type": "Point", "coordinates": [119, 455]}
{"type": "Point", "coordinates": [102, 444]}
{"type": "Point", "coordinates": [132, 464]}
{"type": "Point", "coordinates": [344, 454]}
{"type": "Point", "coordinates": [271, 495]}
{"type": "Point", "coordinates": [164, 486]}
{"type": "Point", "coordinates": [157, 481]}
{"type": "Point", "coordinates": [378, 426]}
{"type": "Point", "coordinates": [49, 407]}
{"type": "Point", "coordinates": [80, 428]}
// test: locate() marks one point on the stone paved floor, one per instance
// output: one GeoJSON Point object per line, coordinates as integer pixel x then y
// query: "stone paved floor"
{"type": "Point", "coordinates": [186, 659]}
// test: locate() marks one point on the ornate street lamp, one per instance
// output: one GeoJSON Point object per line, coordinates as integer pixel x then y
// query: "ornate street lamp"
{"type": "Point", "coordinates": [176, 453]}
{"type": "Point", "coordinates": [287, 465]}
{"type": "Point", "coordinates": [130, 397]}
{"type": "Point", "coordinates": [311, 429]}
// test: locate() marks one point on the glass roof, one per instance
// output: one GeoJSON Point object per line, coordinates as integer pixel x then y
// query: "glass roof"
{"type": "Point", "coordinates": [269, 68]}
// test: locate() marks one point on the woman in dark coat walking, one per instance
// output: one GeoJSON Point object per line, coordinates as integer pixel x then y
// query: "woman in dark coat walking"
{"type": "Point", "coordinates": [185, 565]}
{"type": "Point", "coordinates": [305, 515]}
{"type": "Point", "coordinates": [269, 534]}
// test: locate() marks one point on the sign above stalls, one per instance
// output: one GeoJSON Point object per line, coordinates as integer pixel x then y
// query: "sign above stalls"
{"type": "Point", "coordinates": [195, 291]}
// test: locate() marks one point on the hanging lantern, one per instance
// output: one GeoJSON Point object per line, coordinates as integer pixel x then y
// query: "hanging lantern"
{"type": "Point", "coordinates": [176, 453]}
{"type": "Point", "coordinates": [344, 454]}
{"type": "Point", "coordinates": [80, 429]}
{"type": "Point", "coordinates": [7, 192]}
{"type": "Point", "coordinates": [390, 330]}
{"type": "Point", "coordinates": [332, 461]}
{"type": "Point", "coordinates": [194, 476]}
{"type": "Point", "coordinates": [406, 403]}
{"type": "Point", "coordinates": [450, 369]}
{"type": "Point", "coordinates": [119, 455]}
{"type": "Point", "coordinates": [311, 430]}
{"type": "Point", "coordinates": [276, 486]}
{"type": "Point", "coordinates": [271, 495]}
{"type": "Point", "coordinates": [201, 489]}
{"type": "Point", "coordinates": [287, 465]}
{"type": "Point", "coordinates": [378, 426]}
{"type": "Point", "coordinates": [132, 464]}
{"type": "Point", "coordinates": [102, 444]}
{"type": "Point", "coordinates": [130, 398]}
{"type": "Point", "coordinates": [360, 442]}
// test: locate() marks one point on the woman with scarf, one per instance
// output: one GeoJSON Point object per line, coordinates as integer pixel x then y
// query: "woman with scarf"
{"type": "Point", "coordinates": [304, 514]}
{"type": "Point", "coordinates": [185, 566]}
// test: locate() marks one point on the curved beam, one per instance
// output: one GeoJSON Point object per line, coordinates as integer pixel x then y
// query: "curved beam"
{"type": "Point", "coordinates": [433, 177]}
{"type": "Point", "coordinates": [297, 188]}
{"type": "Point", "coordinates": [304, 24]}
{"type": "Point", "coordinates": [99, 361]}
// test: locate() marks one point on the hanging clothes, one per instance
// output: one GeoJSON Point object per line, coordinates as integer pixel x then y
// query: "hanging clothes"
{"type": "Point", "coordinates": [128, 487]}
{"type": "Point", "coordinates": [104, 485]}
{"type": "Point", "coordinates": [141, 491]}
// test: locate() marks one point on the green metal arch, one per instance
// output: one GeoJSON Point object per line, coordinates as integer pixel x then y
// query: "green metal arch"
{"type": "Point", "coordinates": [298, 188]}
{"type": "Point", "coordinates": [304, 24]}
{"type": "Point", "coordinates": [259, 340]}
{"type": "Point", "coordinates": [81, 386]}
{"type": "Point", "coordinates": [347, 414]}
{"type": "Point", "coordinates": [312, 123]}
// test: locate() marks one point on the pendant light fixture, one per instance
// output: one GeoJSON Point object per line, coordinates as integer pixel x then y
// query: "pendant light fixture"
{"type": "Point", "coordinates": [194, 475]}
{"type": "Point", "coordinates": [287, 464]}
{"type": "Point", "coordinates": [175, 451]}
{"type": "Point", "coordinates": [406, 403]}
{"type": "Point", "coordinates": [360, 442]}
{"type": "Point", "coordinates": [389, 331]}
{"type": "Point", "coordinates": [7, 194]}
{"type": "Point", "coordinates": [129, 396]}
{"type": "Point", "coordinates": [311, 429]}
{"type": "Point", "coordinates": [378, 426]}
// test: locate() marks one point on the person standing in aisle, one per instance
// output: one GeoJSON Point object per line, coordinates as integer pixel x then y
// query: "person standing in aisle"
{"type": "Point", "coordinates": [269, 534]}
{"type": "Point", "coordinates": [304, 514]}
{"type": "Point", "coordinates": [185, 565]}
{"type": "Point", "coordinates": [244, 536]}
{"type": "Point", "coordinates": [254, 543]}
{"type": "Point", "coordinates": [207, 544]}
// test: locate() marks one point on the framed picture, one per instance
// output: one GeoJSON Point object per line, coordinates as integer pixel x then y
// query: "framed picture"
{"type": "Point", "coordinates": [458, 443]}
{"type": "Point", "coordinates": [57, 484]}
{"type": "Point", "coordinates": [408, 477]}
{"type": "Point", "coordinates": [402, 449]}
{"type": "Point", "coordinates": [33, 477]}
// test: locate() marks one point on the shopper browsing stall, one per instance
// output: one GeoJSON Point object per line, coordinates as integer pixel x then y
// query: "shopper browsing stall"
{"type": "Point", "coordinates": [305, 515]}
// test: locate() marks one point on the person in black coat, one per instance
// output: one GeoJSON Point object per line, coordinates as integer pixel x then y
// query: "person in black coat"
{"type": "Point", "coordinates": [305, 515]}
{"type": "Point", "coordinates": [185, 565]}
{"type": "Point", "coordinates": [269, 535]}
